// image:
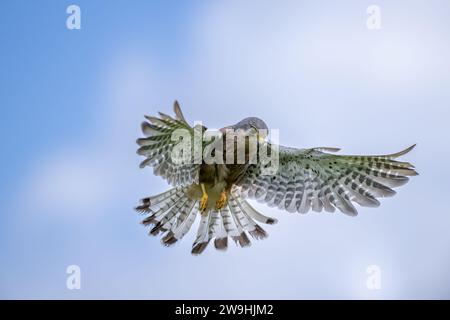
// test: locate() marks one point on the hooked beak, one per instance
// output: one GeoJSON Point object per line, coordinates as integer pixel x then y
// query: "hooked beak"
{"type": "Point", "coordinates": [261, 136]}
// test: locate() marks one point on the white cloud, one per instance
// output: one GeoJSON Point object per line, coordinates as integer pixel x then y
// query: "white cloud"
{"type": "Point", "coordinates": [70, 183]}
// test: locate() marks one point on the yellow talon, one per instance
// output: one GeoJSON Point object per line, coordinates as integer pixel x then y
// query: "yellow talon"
{"type": "Point", "coordinates": [222, 200]}
{"type": "Point", "coordinates": [204, 199]}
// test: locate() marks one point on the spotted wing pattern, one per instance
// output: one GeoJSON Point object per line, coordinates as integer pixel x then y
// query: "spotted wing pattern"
{"type": "Point", "coordinates": [158, 148]}
{"type": "Point", "coordinates": [312, 179]}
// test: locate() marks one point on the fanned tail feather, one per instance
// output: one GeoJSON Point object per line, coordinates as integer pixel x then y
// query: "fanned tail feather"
{"type": "Point", "coordinates": [171, 212]}
{"type": "Point", "coordinates": [232, 221]}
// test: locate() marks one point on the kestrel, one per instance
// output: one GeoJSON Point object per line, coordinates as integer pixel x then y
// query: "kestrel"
{"type": "Point", "coordinates": [305, 179]}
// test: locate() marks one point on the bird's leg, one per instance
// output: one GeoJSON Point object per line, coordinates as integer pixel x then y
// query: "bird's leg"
{"type": "Point", "coordinates": [223, 199]}
{"type": "Point", "coordinates": [204, 199]}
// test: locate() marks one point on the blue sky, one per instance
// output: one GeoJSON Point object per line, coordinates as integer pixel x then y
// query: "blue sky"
{"type": "Point", "coordinates": [72, 102]}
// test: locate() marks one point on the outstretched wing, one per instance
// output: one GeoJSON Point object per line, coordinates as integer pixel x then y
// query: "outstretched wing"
{"type": "Point", "coordinates": [310, 178]}
{"type": "Point", "coordinates": [158, 147]}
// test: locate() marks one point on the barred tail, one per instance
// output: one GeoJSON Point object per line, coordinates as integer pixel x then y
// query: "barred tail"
{"type": "Point", "coordinates": [232, 221]}
{"type": "Point", "coordinates": [172, 213]}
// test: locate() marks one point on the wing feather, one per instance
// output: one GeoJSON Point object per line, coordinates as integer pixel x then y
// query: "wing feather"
{"type": "Point", "coordinates": [312, 179]}
{"type": "Point", "coordinates": [157, 146]}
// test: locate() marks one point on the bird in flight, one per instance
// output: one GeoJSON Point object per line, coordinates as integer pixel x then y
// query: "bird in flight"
{"type": "Point", "coordinates": [217, 191]}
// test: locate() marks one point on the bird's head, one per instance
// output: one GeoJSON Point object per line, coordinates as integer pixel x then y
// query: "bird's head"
{"type": "Point", "coordinates": [251, 126]}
